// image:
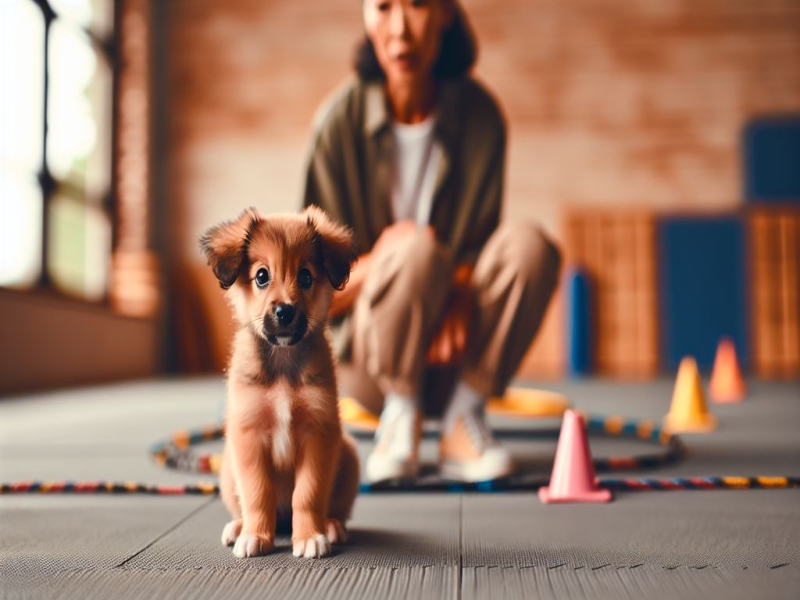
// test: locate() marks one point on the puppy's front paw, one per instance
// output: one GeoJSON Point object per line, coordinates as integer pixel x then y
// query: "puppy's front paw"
{"type": "Point", "coordinates": [251, 544]}
{"type": "Point", "coordinates": [231, 531]}
{"type": "Point", "coordinates": [337, 533]}
{"type": "Point", "coordinates": [315, 547]}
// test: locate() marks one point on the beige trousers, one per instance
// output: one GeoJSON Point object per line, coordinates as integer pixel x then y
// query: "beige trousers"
{"type": "Point", "coordinates": [404, 297]}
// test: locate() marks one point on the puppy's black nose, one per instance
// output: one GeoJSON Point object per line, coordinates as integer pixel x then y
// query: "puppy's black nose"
{"type": "Point", "coordinates": [284, 313]}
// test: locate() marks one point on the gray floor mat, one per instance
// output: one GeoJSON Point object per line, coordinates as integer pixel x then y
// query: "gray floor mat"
{"type": "Point", "coordinates": [697, 529]}
{"type": "Point", "coordinates": [42, 536]}
{"type": "Point", "coordinates": [348, 583]}
{"type": "Point", "coordinates": [709, 544]}
{"type": "Point", "coordinates": [606, 583]}
{"type": "Point", "coordinates": [386, 531]}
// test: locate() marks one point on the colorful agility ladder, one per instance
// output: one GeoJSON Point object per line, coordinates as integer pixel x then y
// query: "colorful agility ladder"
{"type": "Point", "coordinates": [176, 453]}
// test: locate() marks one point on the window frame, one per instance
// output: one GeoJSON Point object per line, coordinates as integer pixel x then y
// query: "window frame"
{"type": "Point", "coordinates": [125, 47]}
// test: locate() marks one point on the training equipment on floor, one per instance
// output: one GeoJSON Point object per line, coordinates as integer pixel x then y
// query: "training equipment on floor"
{"type": "Point", "coordinates": [688, 412]}
{"type": "Point", "coordinates": [573, 478]}
{"type": "Point", "coordinates": [176, 453]}
{"type": "Point", "coordinates": [727, 384]}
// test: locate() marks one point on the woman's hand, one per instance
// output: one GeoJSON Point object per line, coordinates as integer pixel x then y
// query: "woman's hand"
{"type": "Point", "coordinates": [396, 233]}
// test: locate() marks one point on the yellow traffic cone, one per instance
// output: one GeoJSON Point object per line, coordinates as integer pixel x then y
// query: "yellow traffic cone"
{"type": "Point", "coordinates": [688, 412]}
{"type": "Point", "coordinates": [727, 383]}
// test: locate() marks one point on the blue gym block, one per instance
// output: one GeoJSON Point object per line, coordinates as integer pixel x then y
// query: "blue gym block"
{"type": "Point", "coordinates": [579, 326]}
{"type": "Point", "coordinates": [702, 290]}
{"type": "Point", "coordinates": [771, 156]}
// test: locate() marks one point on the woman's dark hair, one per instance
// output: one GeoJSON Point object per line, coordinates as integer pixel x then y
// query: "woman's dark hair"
{"type": "Point", "coordinates": [457, 54]}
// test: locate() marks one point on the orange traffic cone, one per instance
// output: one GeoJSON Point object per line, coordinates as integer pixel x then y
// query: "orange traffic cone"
{"type": "Point", "coordinates": [573, 478]}
{"type": "Point", "coordinates": [688, 412]}
{"type": "Point", "coordinates": [727, 383]}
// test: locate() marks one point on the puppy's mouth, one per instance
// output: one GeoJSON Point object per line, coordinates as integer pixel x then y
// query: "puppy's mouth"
{"type": "Point", "coordinates": [286, 336]}
{"type": "Point", "coordinates": [280, 339]}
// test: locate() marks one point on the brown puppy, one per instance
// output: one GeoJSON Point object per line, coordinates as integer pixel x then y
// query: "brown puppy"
{"type": "Point", "coordinates": [284, 444]}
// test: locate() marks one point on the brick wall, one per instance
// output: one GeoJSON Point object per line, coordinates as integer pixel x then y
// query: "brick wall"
{"type": "Point", "coordinates": [637, 103]}
{"type": "Point", "coordinates": [245, 79]}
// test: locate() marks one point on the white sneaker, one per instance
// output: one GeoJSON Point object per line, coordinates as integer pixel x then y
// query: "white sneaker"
{"type": "Point", "coordinates": [469, 453]}
{"type": "Point", "coordinates": [396, 453]}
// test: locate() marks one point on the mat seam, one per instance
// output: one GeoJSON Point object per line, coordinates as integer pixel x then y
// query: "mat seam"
{"type": "Point", "coordinates": [460, 546]}
{"type": "Point", "coordinates": [167, 532]}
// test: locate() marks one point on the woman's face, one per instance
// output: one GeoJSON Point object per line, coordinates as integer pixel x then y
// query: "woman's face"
{"type": "Point", "coordinates": [406, 35]}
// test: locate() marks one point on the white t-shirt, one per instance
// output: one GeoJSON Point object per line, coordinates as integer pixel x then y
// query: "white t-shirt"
{"type": "Point", "coordinates": [416, 162]}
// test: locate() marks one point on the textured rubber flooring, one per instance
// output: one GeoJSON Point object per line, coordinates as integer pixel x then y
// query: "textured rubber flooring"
{"type": "Point", "coordinates": [683, 544]}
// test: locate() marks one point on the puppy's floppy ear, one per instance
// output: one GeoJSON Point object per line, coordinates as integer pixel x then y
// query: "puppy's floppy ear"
{"type": "Point", "coordinates": [336, 246]}
{"type": "Point", "coordinates": [225, 246]}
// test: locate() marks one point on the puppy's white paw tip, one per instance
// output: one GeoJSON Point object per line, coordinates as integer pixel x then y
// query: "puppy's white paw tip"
{"type": "Point", "coordinates": [337, 532]}
{"type": "Point", "coordinates": [315, 547]}
{"type": "Point", "coordinates": [230, 532]}
{"type": "Point", "coordinates": [251, 545]}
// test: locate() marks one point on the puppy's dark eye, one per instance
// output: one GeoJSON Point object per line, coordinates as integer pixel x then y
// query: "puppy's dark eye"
{"type": "Point", "coordinates": [305, 279]}
{"type": "Point", "coordinates": [263, 277]}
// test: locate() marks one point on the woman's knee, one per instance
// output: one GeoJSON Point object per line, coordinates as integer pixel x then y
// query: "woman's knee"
{"type": "Point", "coordinates": [525, 249]}
{"type": "Point", "coordinates": [423, 260]}
{"type": "Point", "coordinates": [414, 265]}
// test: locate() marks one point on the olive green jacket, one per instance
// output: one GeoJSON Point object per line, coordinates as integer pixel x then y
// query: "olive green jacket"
{"type": "Point", "coordinates": [350, 162]}
{"type": "Point", "coordinates": [349, 170]}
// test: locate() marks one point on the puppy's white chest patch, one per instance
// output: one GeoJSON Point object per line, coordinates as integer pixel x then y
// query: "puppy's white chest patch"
{"type": "Point", "coordinates": [282, 447]}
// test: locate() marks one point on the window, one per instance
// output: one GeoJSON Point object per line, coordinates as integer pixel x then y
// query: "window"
{"type": "Point", "coordinates": [56, 76]}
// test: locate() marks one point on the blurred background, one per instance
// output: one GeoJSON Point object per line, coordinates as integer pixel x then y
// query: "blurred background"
{"type": "Point", "coordinates": [658, 141]}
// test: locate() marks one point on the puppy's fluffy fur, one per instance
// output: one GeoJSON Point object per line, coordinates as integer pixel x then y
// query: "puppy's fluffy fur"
{"type": "Point", "coordinates": [284, 444]}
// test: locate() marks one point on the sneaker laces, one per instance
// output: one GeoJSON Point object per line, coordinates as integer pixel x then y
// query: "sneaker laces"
{"type": "Point", "coordinates": [478, 431]}
{"type": "Point", "coordinates": [398, 429]}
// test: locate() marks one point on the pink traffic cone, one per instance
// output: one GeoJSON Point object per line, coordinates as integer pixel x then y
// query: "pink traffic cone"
{"type": "Point", "coordinates": [573, 478]}
{"type": "Point", "coordinates": [727, 383]}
